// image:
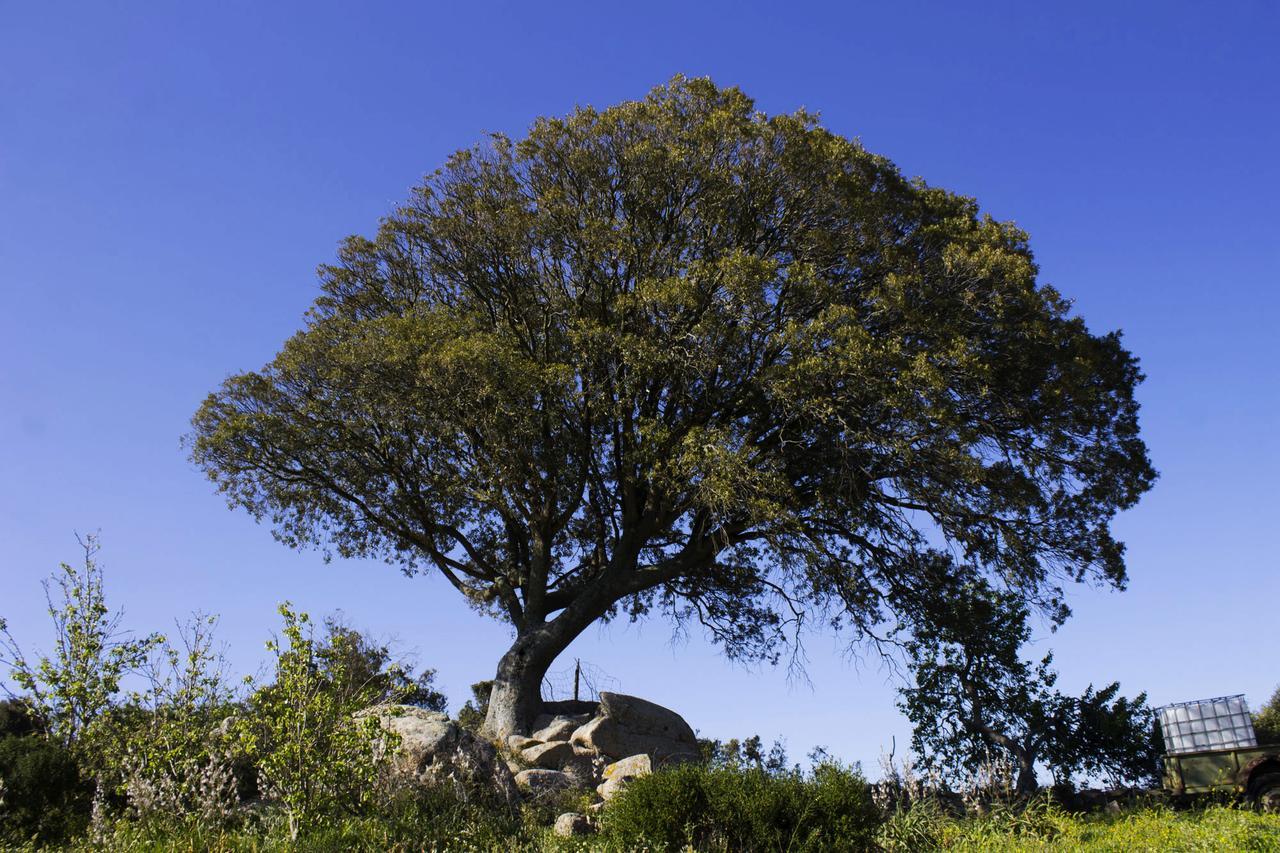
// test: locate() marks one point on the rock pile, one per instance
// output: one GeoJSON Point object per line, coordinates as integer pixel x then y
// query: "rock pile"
{"type": "Point", "coordinates": [599, 745]}
{"type": "Point", "coordinates": [435, 750]}
{"type": "Point", "coordinates": [575, 745]}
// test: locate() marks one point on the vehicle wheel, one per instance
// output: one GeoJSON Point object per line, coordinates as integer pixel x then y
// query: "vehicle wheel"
{"type": "Point", "coordinates": [1265, 793]}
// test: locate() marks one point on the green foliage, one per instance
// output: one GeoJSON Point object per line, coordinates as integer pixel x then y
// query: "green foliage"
{"type": "Point", "coordinates": [1038, 821]}
{"type": "Point", "coordinates": [357, 666]}
{"type": "Point", "coordinates": [1041, 825]}
{"type": "Point", "coordinates": [17, 719]}
{"type": "Point", "coordinates": [1266, 723]}
{"type": "Point", "coordinates": [748, 753]}
{"type": "Point", "coordinates": [444, 824]}
{"type": "Point", "coordinates": [175, 753]}
{"type": "Point", "coordinates": [70, 689]}
{"type": "Point", "coordinates": [1046, 827]}
{"type": "Point", "coordinates": [312, 756]}
{"type": "Point", "coordinates": [43, 795]}
{"type": "Point", "coordinates": [917, 827]}
{"type": "Point", "coordinates": [720, 808]}
{"type": "Point", "coordinates": [1108, 737]}
{"type": "Point", "coordinates": [680, 355]}
{"type": "Point", "coordinates": [428, 819]}
{"type": "Point", "coordinates": [973, 694]}
{"type": "Point", "coordinates": [472, 714]}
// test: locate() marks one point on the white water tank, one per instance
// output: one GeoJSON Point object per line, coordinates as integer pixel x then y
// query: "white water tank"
{"type": "Point", "coordinates": [1205, 724]}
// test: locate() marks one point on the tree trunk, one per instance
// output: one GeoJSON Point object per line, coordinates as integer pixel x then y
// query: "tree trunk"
{"type": "Point", "coordinates": [516, 698]}
{"type": "Point", "coordinates": [1025, 755]}
{"type": "Point", "coordinates": [1027, 782]}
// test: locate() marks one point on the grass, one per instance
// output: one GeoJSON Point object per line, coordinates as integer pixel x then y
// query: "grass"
{"type": "Point", "coordinates": [1044, 827]}
{"type": "Point", "coordinates": [1215, 828]}
{"type": "Point", "coordinates": [710, 809]}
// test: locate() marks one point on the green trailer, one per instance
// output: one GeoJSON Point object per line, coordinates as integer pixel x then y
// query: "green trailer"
{"type": "Point", "coordinates": [1210, 747]}
{"type": "Point", "coordinates": [1252, 772]}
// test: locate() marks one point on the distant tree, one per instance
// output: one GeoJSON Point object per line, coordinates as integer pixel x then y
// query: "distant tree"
{"type": "Point", "coordinates": [678, 355]}
{"type": "Point", "coordinates": [1109, 737]}
{"type": "Point", "coordinates": [358, 665]}
{"type": "Point", "coordinates": [472, 714]}
{"type": "Point", "coordinates": [1266, 723]}
{"type": "Point", "coordinates": [747, 753]}
{"type": "Point", "coordinates": [975, 697]}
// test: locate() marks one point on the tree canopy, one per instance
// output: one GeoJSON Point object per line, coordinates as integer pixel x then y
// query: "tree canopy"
{"type": "Point", "coordinates": [680, 355]}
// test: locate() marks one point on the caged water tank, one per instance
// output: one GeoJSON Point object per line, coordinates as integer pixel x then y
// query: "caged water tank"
{"type": "Point", "coordinates": [1207, 724]}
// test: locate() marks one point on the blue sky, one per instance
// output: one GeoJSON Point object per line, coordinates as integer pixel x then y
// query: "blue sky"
{"type": "Point", "coordinates": [171, 174]}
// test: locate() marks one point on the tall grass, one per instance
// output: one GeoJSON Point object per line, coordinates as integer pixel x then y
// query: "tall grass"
{"type": "Point", "coordinates": [1042, 826]}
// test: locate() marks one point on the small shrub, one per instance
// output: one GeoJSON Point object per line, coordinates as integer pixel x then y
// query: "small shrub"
{"type": "Point", "coordinates": [174, 756]}
{"type": "Point", "coordinates": [723, 808]}
{"type": "Point", "coordinates": [537, 813]}
{"type": "Point", "coordinates": [1266, 723]}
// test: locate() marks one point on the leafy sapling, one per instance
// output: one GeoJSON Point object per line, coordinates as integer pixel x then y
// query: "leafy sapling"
{"type": "Point", "coordinates": [70, 689]}
{"type": "Point", "coordinates": [314, 757]}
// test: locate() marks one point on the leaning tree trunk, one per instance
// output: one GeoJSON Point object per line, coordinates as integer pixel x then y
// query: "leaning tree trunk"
{"type": "Point", "coordinates": [1024, 753]}
{"type": "Point", "coordinates": [516, 698]}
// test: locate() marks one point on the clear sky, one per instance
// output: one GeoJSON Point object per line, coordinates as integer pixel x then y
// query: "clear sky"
{"type": "Point", "coordinates": [172, 173]}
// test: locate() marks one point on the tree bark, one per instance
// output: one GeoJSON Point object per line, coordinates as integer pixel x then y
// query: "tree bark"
{"type": "Point", "coordinates": [1023, 753]}
{"type": "Point", "coordinates": [1026, 782]}
{"type": "Point", "coordinates": [516, 698]}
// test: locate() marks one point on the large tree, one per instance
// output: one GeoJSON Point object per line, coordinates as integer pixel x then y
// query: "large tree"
{"type": "Point", "coordinates": [681, 355]}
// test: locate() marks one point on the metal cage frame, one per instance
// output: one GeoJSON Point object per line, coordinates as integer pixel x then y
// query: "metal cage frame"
{"type": "Point", "coordinates": [1202, 725]}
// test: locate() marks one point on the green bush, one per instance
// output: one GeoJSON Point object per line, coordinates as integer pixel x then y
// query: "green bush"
{"type": "Point", "coordinates": [1266, 723]}
{"type": "Point", "coordinates": [723, 808]}
{"type": "Point", "coordinates": [16, 719]}
{"type": "Point", "coordinates": [313, 758]}
{"type": "Point", "coordinates": [169, 751]}
{"type": "Point", "coordinates": [72, 688]}
{"type": "Point", "coordinates": [43, 796]}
